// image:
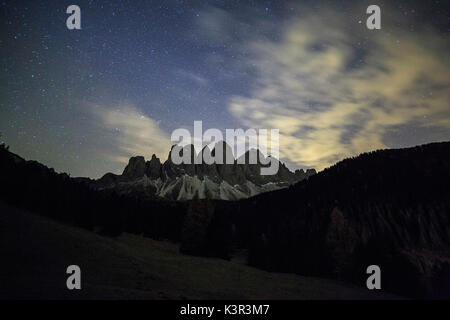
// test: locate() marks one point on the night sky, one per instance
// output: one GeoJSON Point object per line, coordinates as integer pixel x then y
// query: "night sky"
{"type": "Point", "coordinates": [84, 101]}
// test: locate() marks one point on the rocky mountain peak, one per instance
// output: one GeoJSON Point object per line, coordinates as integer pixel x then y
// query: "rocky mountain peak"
{"type": "Point", "coordinates": [223, 153]}
{"type": "Point", "coordinates": [135, 168]}
{"type": "Point", "coordinates": [153, 168]}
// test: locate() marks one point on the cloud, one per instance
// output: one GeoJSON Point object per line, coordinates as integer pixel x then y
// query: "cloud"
{"type": "Point", "coordinates": [331, 100]}
{"type": "Point", "coordinates": [133, 133]}
{"type": "Point", "coordinates": [192, 77]}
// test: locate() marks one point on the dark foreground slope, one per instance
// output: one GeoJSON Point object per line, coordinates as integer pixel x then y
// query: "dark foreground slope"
{"type": "Point", "coordinates": [389, 208]}
{"type": "Point", "coordinates": [36, 251]}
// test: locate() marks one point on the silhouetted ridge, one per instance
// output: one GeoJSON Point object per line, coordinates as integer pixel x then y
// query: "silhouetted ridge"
{"type": "Point", "coordinates": [387, 207]}
{"type": "Point", "coordinates": [31, 185]}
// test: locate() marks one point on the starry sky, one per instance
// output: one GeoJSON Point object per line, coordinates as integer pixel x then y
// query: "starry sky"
{"type": "Point", "coordinates": [84, 101]}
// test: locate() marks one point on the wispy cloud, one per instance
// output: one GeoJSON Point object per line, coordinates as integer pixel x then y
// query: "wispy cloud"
{"type": "Point", "coordinates": [133, 133]}
{"type": "Point", "coordinates": [192, 77]}
{"type": "Point", "coordinates": [328, 108]}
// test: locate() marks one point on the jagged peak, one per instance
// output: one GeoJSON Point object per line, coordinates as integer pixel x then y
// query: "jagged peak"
{"type": "Point", "coordinates": [253, 153]}
{"type": "Point", "coordinates": [225, 150]}
{"type": "Point", "coordinates": [231, 170]}
{"type": "Point", "coordinates": [135, 167]}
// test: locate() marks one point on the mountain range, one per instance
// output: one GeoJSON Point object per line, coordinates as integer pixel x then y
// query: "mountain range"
{"type": "Point", "coordinates": [227, 181]}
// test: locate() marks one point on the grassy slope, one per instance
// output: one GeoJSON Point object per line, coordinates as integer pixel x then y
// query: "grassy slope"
{"type": "Point", "coordinates": [35, 252]}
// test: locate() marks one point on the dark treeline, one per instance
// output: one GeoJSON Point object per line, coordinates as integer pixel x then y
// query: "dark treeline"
{"type": "Point", "coordinates": [389, 208]}
{"type": "Point", "coordinates": [31, 185]}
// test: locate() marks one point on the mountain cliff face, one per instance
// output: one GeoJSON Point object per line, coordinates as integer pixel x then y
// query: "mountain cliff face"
{"type": "Point", "coordinates": [153, 179]}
